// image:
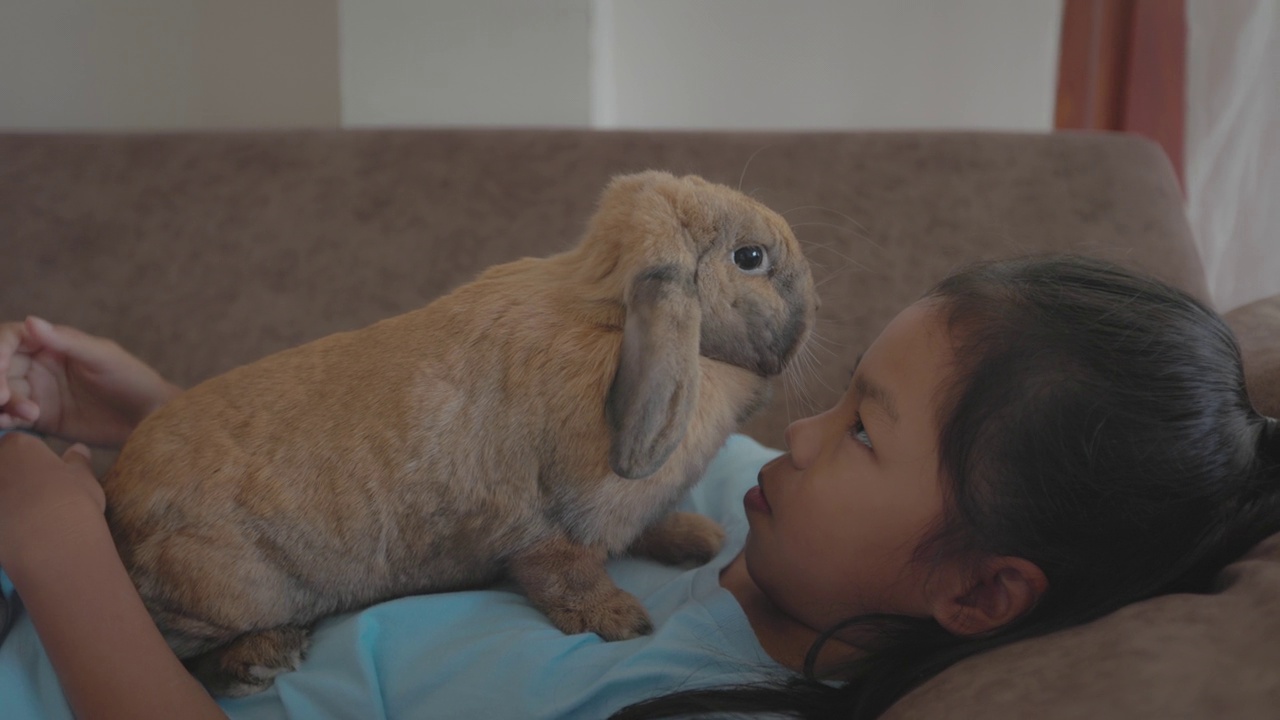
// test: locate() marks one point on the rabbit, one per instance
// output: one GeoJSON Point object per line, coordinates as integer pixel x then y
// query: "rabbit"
{"type": "Point", "coordinates": [524, 427]}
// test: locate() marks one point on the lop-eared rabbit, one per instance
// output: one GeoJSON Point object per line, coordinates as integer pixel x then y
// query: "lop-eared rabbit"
{"type": "Point", "coordinates": [526, 426]}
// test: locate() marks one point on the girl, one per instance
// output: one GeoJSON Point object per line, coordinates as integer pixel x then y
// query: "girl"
{"type": "Point", "coordinates": [1032, 445]}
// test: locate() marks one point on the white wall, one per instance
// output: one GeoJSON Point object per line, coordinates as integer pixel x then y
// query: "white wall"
{"type": "Point", "coordinates": [167, 64]}
{"type": "Point", "coordinates": [828, 63]}
{"type": "Point", "coordinates": [466, 62]}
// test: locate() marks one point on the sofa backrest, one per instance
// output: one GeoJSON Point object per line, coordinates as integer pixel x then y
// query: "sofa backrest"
{"type": "Point", "coordinates": [201, 252]}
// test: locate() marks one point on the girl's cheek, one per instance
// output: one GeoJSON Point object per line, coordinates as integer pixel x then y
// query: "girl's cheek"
{"type": "Point", "coordinates": [811, 536]}
{"type": "Point", "coordinates": [849, 494]}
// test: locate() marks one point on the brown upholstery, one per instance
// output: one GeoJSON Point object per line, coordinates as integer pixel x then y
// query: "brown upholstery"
{"type": "Point", "coordinates": [203, 251]}
{"type": "Point", "coordinates": [1257, 327]}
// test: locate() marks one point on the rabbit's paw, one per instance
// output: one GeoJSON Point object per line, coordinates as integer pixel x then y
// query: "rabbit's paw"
{"type": "Point", "coordinates": [617, 616]}
{"type": "Point", "coordinates": [251, 662]}
{"type": "Point", "coordinates": [568, 583]}
{"type": "Point", "coordinates": [680, 537]}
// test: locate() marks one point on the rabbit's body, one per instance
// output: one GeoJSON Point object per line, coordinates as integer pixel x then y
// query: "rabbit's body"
{"type": "Point", "coordinates": [445, 448]}
{"type": "Point", "coordinates": [294, 481]}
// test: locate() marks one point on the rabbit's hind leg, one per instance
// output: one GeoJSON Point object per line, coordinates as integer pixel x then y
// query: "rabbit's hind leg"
{"type": "Point", "coordinates": [680, 538]}
{"type": "Point", "coordinates": [251, 662]}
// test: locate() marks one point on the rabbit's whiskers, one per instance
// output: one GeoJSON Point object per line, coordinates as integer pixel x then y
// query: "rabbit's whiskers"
{"type": "Point", "coordinates": [746, 165]}
{"type": "Point", "coordinates": [797, 379]}
{"type": "Point", "coordinates": [837, 213]}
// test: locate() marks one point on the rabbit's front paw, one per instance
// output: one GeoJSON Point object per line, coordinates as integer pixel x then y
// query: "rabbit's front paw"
{"type": "Point", "coordinates": [568, 583]}
{"type": "Point", "coordinates": [251, 662]}
{"type": "Point", "coordinates": [618, 616]}
{"type": "Point", "coordinates": [680, 537]}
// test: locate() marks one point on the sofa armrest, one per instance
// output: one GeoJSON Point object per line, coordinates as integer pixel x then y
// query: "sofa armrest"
{"type": "Point", "coordinates": [1257, 328]}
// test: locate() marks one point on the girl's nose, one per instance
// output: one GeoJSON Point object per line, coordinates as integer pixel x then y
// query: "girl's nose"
{"type": "Point", "coordinates": [802, 441]}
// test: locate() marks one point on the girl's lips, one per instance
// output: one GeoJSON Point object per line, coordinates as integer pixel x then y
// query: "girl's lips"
{"type": "Point", "coordinates": [755, 500]}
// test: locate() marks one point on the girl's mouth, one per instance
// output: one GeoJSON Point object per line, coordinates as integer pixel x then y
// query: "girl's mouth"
{"type": "Point", "coordinates": [755, 500]}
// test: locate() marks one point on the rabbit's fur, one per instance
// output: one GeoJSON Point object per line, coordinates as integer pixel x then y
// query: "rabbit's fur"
{"type": "Point", "coordinates": [527, 425]}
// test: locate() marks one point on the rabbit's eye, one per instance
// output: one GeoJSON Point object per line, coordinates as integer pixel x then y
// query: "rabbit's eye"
{"type": "Point", "coordinates": [751, 259]}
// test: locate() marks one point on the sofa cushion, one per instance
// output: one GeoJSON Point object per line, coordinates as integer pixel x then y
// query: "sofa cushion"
{"type": "Point", "coordinates": [1178, 656]}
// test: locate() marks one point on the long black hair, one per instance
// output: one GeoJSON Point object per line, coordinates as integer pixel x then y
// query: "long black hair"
{"type": "Point", "coordinates": [1097, 426]}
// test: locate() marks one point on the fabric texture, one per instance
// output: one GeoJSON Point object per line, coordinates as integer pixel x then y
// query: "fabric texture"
{"type": "Point", "coordinates": [490, 654]}
{"type": "Point", "coordinates": [1257, 327]}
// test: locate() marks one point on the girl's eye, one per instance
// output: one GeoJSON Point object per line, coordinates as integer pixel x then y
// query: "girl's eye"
{"type": "Point", "coordinates": [859, 432]}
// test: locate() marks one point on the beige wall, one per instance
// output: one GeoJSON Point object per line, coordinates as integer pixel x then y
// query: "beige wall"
{"type": "Point", "coordinates": [269, 63]}
{"type": "Point", "coordinates": [82, 64]}
{"type": "Point", "coordinates": [168, 64]}
{"type": "Point", "coordinates": [174, 64]}
{"type": "Point", "coordinates": [466, 62]}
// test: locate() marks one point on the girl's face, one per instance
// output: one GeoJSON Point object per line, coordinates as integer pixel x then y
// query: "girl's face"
{"type": "Point", "coordinates": [836, 521]}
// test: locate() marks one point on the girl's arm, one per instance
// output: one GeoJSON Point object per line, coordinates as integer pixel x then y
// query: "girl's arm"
{"type": "Point", "coordinates": [56, 548]}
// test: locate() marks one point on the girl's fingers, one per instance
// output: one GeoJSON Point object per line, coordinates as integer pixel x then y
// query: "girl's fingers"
{"type": "Point", "coordinates": [48, 335]}
{"type": "Point", "coordinates": [78, 454]}
{"type": "Point", "coordinates": [26, 409]}
{"type": "Point", "coordinates": [17, 402]}
{"type": "Point", "coordinates": [16, 346]}
{"type": "Point", "coordinates": [68, 340]}
{"type": "Point", "coordinates": [19, 409]}
{"type": "Point", "coordinates": [10, 338]}
{"type": "Point", "coordinates": [22, 411]}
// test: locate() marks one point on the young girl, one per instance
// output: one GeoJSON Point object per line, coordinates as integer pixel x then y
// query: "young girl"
{"type": "Point", "coordinates": [1032, 445]}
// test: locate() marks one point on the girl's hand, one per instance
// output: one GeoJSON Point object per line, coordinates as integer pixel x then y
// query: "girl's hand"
{"type": "Point", "coordinates": [61, 381]}
{"type": "Point", "coordinates": [44, 498]}
{"type": "Point", "coordinates": [56, 547]}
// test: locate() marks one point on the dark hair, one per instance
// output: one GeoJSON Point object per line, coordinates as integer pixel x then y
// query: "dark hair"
{"type": "Point", "coordinates": [1098, 427]}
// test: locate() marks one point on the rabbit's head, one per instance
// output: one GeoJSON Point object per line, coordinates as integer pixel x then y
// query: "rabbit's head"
{"type": "Point", "coordinates": [702, 270]}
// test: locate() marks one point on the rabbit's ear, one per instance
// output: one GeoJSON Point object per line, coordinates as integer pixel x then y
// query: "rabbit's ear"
{"type": "Point", "coordinates": [656, 386]}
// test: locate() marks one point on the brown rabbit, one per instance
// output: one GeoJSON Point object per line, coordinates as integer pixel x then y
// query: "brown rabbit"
{"type": "Point", "coordinates": [527, 425]}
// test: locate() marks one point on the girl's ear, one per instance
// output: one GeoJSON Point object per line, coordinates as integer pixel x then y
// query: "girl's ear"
{"type": "Point", "coordinates": [1004, 589]}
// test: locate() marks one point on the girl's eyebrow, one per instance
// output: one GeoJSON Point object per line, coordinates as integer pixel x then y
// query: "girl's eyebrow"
{"type": "Point", "coordinates": [875, 392]}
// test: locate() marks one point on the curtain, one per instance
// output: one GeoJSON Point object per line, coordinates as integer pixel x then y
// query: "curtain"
{"type": "Point", "coordinates": [1232, 145]}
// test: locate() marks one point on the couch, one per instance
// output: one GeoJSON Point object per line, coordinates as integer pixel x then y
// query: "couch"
{"type": "Point", "coordinates": [202, 251]}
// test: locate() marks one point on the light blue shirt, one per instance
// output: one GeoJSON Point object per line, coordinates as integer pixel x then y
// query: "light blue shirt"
{"type": "Point", "coordinates": [489, 654]}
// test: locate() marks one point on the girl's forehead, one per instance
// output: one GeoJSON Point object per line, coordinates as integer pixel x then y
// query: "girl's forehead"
{"type": "Point", "coordinates": [911, 358]}
{"type": "Point", "coordinates": [919, 327]}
